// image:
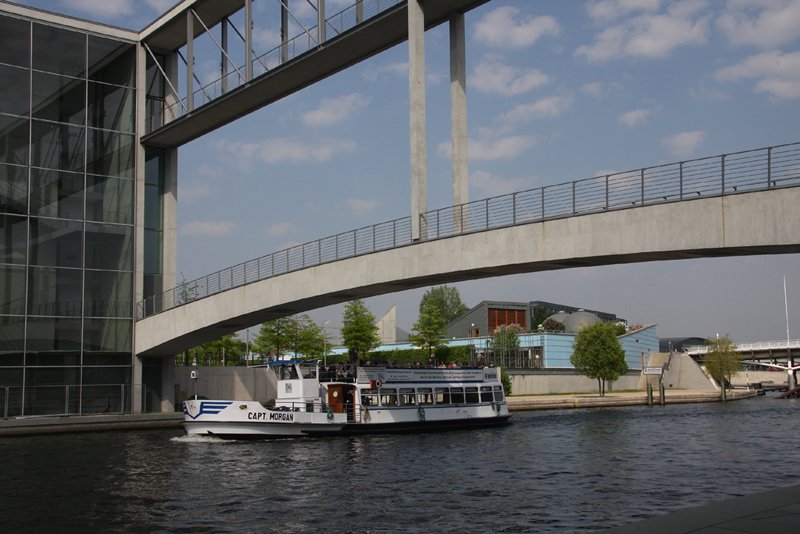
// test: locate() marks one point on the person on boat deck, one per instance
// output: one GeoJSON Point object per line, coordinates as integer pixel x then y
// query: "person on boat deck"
{"type": "Point", "coordinates": [453, 365]}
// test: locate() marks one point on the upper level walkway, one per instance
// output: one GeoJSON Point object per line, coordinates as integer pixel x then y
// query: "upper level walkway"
{"type": "Point", "coordinates": [361, 30]}
{"type": "Point", "coordinates": [757, 351]}
{"type": "Point", "coordinates": [727, 205]}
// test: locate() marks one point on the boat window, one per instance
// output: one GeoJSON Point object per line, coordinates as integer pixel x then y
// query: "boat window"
{"type": "Point", "coordinates": [457, 395]}
{"type": "Point", "coordinates": [369, 397]}
{"type": "Point", "coordinates": [309, 371]}
{"type": "Point", "coordinates": [286, 372]}
{"type": "Point", "coordinates": [472, 395]}
{"type": "Point", "coordinates": [424, 396]}
{"type": "Point", "coordinates": [442, 395]}
{"type": "Point", "coordinates": [388, 397]}
{"type": "Point", "coordinates": [486, 394]}
{"type": "Point", "coordinates": [498, 393]}
{"type": "Point", "coordinates": [407, 396]}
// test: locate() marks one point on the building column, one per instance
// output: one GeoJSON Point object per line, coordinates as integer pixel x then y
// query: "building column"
{"type": "Point", "coordinates": [189, 61]}
{"type": "Point", "coordinates": [321, 33]}
{"type": "Point", "coordinates": [284, 33]}
{"type": "Point", "coordinates": [458, 117]}
{"type": "Point", "coordinates": [223, 59]}
{"type": "Point", "coordinates": [416, 90]}
{"type": "Point", "coordinates": [248, 40]}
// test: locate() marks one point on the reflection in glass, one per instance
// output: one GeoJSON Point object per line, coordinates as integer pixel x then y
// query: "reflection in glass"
{"type": "Point", "coordinates": [57, 146]}
{"type": "Point", "coordinates": [13, 234]}
{"type": "Point", "coordinates": [14, 85]}
{"type": "Point", "coordinates": [14, 140]}
{"type": "Point", "coordinates": [108, 294]}
{"type": "Point", "coordinates": [111, 107]}
{"type": "Point", "coordinates": [152, 251]}
{"type": "Point", "coordinates": [153, 212]}
{"type": "Point", "coordinates": [53, 335]}
{"type": "Point", "coordinates": [58, 98]}
{"type": "Point", "coordinates": [56, 194]}
{"type": "Point", "coordinates": [110, 153]}
{"type": "Point", "coordinates": [12, 341]}
{"type": "Point", "coordinates": [13, 189]}
{"type": "Point", "coordinates": [111, 61]}
{"type": "Point", "coordinates": [12, 290]}
{"type": "Point", "coordinates": [109, 247]}
{"type": "Point", "coordinates": [54, 291]}
{"type": "Point", "coordinates": [107, 335]}
{"type": "Point", "coordinates": [109, 199]}
{"type": "Point", "coordinates": [16, 41]}
{"type": "Point", "coordinates": [59, 51]}
{"type": "Point", "coordinates": [55, 243]}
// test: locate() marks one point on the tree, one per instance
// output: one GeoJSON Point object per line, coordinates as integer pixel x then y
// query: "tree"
{"type": "Point", "coordinates": [551, 325]}
{"type": "Point", "coordinates": [722, 361]}
{"type": "Point", "coordinates": [447, 299]}
{"type": "Point", "coordinates": [505, 340]}
{"type": "Point", "coordinates": [596, 353]}
{"type": "Point", "coordinates": [297, 334]}
{"type": "Point", "coordinates": [228, 350]}
{"type": "Point", "coordinates": [429, 330]}
{"type": "Point", "coordinates": [359, 331]}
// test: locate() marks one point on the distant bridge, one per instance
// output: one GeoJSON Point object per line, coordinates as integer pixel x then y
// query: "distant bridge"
{"type": "Point", "coordinates": [764, 350]}
{"type": "Point", "coordinates": [728, 205]}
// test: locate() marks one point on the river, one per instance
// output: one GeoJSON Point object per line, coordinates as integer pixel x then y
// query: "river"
{"type": "Point", "coordinates": [550, 471]}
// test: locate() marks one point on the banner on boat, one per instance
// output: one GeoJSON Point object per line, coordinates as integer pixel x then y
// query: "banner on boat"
{"type": "Point", "coordinates": [387, 376]}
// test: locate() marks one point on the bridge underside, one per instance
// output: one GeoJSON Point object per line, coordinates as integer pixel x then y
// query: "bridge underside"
{"type": "Point", "coordinates": [766, 222]}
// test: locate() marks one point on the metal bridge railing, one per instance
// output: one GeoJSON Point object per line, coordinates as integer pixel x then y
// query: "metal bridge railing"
{"type": "Point", "coordinates": [726, 174]}
{"type": "Point", "coordinates": [765, 346]}
{"type": "Point", "coordinates": [336, 24]}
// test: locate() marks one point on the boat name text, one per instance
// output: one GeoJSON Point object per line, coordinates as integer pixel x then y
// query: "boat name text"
{"type": "Point", "coordinates": [271, 416]}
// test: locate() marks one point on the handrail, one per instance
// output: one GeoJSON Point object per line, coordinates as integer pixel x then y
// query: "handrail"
{"type": "Point", "coordinates": [751, 347]}
{"type": "Point", "coordinates": [726, 174]}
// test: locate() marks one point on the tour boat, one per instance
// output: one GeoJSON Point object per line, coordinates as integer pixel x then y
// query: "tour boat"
{"type": "Point", "coordinates": [314, 400]}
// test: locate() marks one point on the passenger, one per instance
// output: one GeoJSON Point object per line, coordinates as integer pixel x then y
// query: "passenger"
{"type": "Point", "coordinates": [453, 365]}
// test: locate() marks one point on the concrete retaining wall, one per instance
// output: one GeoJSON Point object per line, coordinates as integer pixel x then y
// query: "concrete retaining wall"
{"type": "Point", "coordinates": [240, 383]}
{"type": "Point", "coordinates": [538, 382]}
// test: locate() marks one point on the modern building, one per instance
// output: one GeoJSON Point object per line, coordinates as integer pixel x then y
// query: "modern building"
{"type": "Point", "coordinates": [82, 215]}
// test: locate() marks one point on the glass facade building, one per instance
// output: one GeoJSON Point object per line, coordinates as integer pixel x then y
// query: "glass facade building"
{"type": "Point", "coordinates": [68, 169]}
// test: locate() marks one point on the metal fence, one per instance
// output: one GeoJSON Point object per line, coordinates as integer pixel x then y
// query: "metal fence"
{"type": "Point", "coordinates": [85, 399]}
{"type": "Point", "coordinates": [306, 41]}
{"type": "Point", "coordinates": [726, 174]}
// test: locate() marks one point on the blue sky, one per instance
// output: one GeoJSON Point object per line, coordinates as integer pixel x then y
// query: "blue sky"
{"type": "Point", "coordinates": [556, 91]}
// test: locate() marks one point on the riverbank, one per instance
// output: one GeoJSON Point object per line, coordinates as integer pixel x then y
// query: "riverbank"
{"type": "Point", "coordinates": [613, 398]}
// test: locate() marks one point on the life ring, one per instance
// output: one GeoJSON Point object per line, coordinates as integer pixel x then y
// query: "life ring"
{"type": "Point", "coordinates": [330, 415]}
{"type": "Point", "coordinates": [421, 413]}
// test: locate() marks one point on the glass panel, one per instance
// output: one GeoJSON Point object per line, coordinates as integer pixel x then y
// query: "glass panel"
{"type": "Point", "coordinates": [109, 199]}
{"type": "Point", "coordinates": [54, 291]}
{"type": "Point", "coordinates": [57, 146]}
{"type": "Point", "coordinates": [16, 49]}
{"type": "Point", "coordinates": [107, 335]}
{"type": "Point", "coordinates": [57, 194]}
{"type": "Point", "coordinates": [107, 358]}
{"type": "Point", "coordinates": [58, 98]}
{"type": "Point", "coordinates": [152, 207]}
{"type": "Point", "coordinates": [110, 153]}
{"type": "Point", "coordinates": [13, 189]}
{"type": "Point", "coordinates": [472, 395]}
{"type": "Point", "coordinates": [152, 252]}
{"type": "Point", "coordinates": [12, 340]}
{"type": "Point", "coordinates": [154, 167]}
{"type": "Point", "coordinates": [108, 294]}
{"type": "Point", "coordinates": [10, 377]}
{"type": "Point", "coordinates": [14, 140]}
{"type": "Point", "coordinates": [53, 341]}
{"type": "Point", "coordinates": [109, 247]}
{"type": "Point", "coordinates": [111, 107]}
{"type": "Point", "coordinates": [153, 285]}
{"type": "Point", "coordinates": [53, 390]}
{"type": "Point", "coordinates": [111, 61]}
{"type": "Point", "coordinates": [56, 243]}
{"type": "Point", "coordinates": [14, 87]}
{"type": "Point", "coordinates": [13, 238]}
{"type": "Point", "coordinates": [457, 395]}
{"type": "Point", "coordinates": [59, 51]}
{"type": "Point", "coordinates": [12, 290]}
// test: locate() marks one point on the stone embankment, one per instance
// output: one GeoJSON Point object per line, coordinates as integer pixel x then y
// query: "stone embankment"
{"type": "Point", "coordinates": [635, 398]}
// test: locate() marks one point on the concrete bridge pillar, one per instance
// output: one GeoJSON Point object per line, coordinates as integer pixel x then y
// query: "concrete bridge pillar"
{"type": "Point", "coordinates": [458, 116]}
{"type": "Point", "coordinates": [416, 98]}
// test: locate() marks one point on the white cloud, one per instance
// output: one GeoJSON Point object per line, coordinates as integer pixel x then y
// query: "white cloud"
{"type": "Point", "coordinates": [506, 28]}
{"type": "Point", "coordinates": [762, 24]}
{"type": "Point", "coordinates": [333, 110]}
{"type": "Point", "coordinates": [685, 143]}
{"type": "Point", "coordinates": [190, 193]}
{"type": "Point", "coordinates": [491, 185]}
{"type": "Point", "coordinates": [361, 206]}
{"type": "Point", "coordinates": [280, 229]}
{"type": "Point", "coordinates": [594, 89]}
{"type": "Point", "coordinates": [207, 228]}
{"type": "Point", "coordinates": [544, 108]}
{"type": "Point", "coordinates": [266, 39]}
{"type": "Point", "coordinates": [160, 6]}
{"type": "Point", "coordinates": [282, 150]}
{"type": "Point", "coordinates": [608, 10]}
{"type": "Point", "coordinates": [495, 77]}
{"type": "Point", "coordinates": [651, 35]}
{"type": "Point", "coordinates": [101, 8]}
{"type": "Point", "coordinates": [389, 70]}
{"type": "Point", "coordinates": [495, 149]}
{"type": "Point", "coordinates": [777, 73]}
{"type": "Point", "coordinates": [634, 117]}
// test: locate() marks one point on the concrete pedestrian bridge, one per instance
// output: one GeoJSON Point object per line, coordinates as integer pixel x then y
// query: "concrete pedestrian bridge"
{"type": "Point", "coordinates": [728, 205]}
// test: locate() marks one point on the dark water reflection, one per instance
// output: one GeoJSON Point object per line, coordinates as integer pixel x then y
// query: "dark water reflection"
{"type": "Point", "coordinates": [555, 471]}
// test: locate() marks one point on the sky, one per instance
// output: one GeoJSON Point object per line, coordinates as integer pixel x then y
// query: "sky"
{"type": "Point", "coordinates": [556, 91]}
